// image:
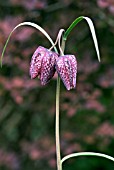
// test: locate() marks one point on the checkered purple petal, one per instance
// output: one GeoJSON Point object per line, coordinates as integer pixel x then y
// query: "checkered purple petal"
{"type": "Point", "coordinates": [48, 67]}
{"type": "Point", "coordinates": [66, 67]}
{"type": "Point", "coordinates": [43, 64]}
{"type": "Point", "coordinates": [35, 65]}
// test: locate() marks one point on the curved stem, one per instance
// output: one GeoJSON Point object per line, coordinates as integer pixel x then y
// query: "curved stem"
{"type": "Point", "coordinates": [58, 38]}
{"type": "Point", "coordinates": [58, 153]}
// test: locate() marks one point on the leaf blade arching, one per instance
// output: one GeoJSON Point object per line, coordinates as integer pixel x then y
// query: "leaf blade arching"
{"type": "Point", "coordinates": [26, 24]}
{"type": "Point", "coordinates": [69, 29]}
{"type": "Point", "coordinates": [72, 155]}
{"type": "Point", "coordinates": [92, 29]}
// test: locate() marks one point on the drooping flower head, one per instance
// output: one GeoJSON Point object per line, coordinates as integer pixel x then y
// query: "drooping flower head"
{"type": "Point", "coordinates": [66, 67]}
{"type": "Point", "coordinates": [43, 64]}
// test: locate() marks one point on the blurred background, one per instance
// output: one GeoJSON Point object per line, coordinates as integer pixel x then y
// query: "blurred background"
{"type": "Point", "coordinates": [27, 110]}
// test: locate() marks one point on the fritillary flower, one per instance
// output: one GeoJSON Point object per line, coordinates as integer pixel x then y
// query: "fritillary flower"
{"type": "Point", "coordinates": [43, 64]}
{"type": "Point", "coordinates": [66, 67]}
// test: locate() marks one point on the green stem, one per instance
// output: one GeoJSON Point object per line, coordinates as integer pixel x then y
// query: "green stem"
{"type": "Point", "coordinates": [58, 153]}
{"type": "Point", "coordinates": [57, 126]}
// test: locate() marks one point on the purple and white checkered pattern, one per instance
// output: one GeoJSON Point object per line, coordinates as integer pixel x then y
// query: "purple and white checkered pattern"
{"type": "Point", "coordinates": [66, 67]}
{"type": "Point", "coordinates": [43, 64]}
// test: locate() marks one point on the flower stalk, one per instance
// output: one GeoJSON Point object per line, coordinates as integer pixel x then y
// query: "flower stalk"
{"type": "Point", "coordinates": [57, 124]}
{"type": "Point", "coordinates": [58, 155]}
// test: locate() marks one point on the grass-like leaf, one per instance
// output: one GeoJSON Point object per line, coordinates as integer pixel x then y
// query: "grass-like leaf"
{"type": "Point", "coordinates": [27, 24]}
{"type": "Point", "coordinates": [87, 154]}
{"type": "Point", "coordinates": [69, 29]}
{"type": "Point", "coordinates": [92, 29]}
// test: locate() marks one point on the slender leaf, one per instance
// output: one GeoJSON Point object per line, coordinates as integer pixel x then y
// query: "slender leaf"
{"type": "Point", "coordinates": [27, 24]}
{"type": "Point", "coordinates": [87, 154]}
{"type": "Point", "coordinates": [74, 23]}
{"type": "Point", "coordinates": [92, 29]}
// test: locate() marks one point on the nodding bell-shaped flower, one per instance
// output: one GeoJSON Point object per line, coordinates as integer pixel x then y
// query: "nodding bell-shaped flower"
{"type": "Point", "coordinates": [66, 67]}
{"type": "Point", "coordinates": [43, 64]}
